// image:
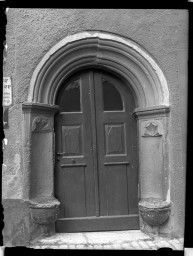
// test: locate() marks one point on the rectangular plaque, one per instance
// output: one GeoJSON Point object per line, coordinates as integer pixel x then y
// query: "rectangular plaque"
{"type": "Point", "coordinates": [7, 92]}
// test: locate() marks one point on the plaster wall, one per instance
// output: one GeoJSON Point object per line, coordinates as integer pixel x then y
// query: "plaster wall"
{"type": "Point", "coordinates": [162, 33]}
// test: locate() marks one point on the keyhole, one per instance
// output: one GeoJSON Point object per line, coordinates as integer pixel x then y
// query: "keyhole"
{"type": "Point", "coordinates": [73, 161]}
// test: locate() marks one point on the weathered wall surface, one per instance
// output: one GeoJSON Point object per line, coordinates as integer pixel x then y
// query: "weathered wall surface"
{"type": "Point", "coordinates": [163, 33]}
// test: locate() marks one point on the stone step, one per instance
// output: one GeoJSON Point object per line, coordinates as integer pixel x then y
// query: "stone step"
{"type": "Point", "coordinates": [115, 240]}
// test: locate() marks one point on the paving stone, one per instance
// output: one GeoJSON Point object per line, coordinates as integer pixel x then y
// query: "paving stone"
{"type": "Point", "coordinates": [181, 240]}
{"type": "Point", "coordinates": [163, 244]}
{"type": "Point", "coordinates": [135, 245]}
{"type": "Point", "coordinates": [175, 245]}
{"type": "Point", "coordinates": [63, 246]}
{"type": "Point", "coordinates": [71, 246]}
{"type": "Point", "coordinates": [36, 247]}
{"type": "Point", "coordinates": [80, 246]}
{"type": "Point", "coordinates": [126, 246]}
{"type": "Point", "coordinates": [176, 241]}
{"type": "Point", "coordinates": [55, 247]}
{"type": "Point", "coordinates": [117, 246]}
{"type": "Point", "coordinates": [114, 236]}
{"type": "Point", "coordinates": [71, 238]}
{"type": "Point", "coordinates": [44, 246]}
{"type": "Point", "coordinates": [113, 240]}
{"type": "Point", "coordinates": [180, 247]}
{"type": "Point", "coordinates": [47, 240]}
{"type": "Point", "coordinates": [170, 246]}
{"type": "Point", "coordinates": [143, 244]}
{"type": "Point", "coordinates": [120, 241]}
{"type": "Point", "coordinates": [107, 246]}
{"type": "Point", "coordinates": [96, 246]}
{"type": "Point", "coordinates": [89, 246]}
{"type": "Point", "coordinates": [151, 244]}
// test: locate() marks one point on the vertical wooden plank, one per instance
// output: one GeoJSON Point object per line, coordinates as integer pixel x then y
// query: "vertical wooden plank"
{"type": "Point", "coordinates": [90, 185]}
{"type": "Point", "coordinates": [132, 180]}
{"type": "Point", "coordinates": [94, 136]}
{"type": "Point", "coordinates": [132, 149]}
{"type": "Point", "coordinates": [100, 126]}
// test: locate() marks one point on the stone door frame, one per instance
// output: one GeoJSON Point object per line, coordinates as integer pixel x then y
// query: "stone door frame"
{"type": "Point", "coordinates": [136, 67]}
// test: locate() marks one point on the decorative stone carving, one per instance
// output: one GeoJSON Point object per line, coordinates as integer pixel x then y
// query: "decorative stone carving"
{"type": "Point", "coordinates": [151, 129]}
{"type": "Point", "coordinates": [154, 211]}
{"type": "Point", "coordinates": [41, 124]}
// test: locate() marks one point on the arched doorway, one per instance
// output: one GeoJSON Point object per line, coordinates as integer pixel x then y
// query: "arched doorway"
{"type": "Point", "coordinates": [131, 63]}
{"type": "Point", "coordinates": [96, 174]}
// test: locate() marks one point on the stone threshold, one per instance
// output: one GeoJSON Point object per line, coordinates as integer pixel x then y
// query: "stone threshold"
{"type": "Point", "coordinates": [111, 240]}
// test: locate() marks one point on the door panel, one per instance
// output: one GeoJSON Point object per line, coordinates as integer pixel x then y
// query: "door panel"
{"type": "Point", "coordinates": [74, 182]}
{"type": "Point", "coordinates": [72, 140]}
{"type": "Point", "coordinates": [96, 172]}
{"type": "Point", "coordinates": [115, 139]}
{"type": "Point", "coordinates": [117, 204]}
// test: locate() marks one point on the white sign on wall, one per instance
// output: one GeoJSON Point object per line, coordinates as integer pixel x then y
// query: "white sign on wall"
{"type": "Point", "coordinates": [7, 92]}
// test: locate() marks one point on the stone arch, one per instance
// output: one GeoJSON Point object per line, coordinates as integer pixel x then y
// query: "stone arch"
{"type": "Point", "coordinates": [128, 60]}
{"type": "Point", "coordinates": [104, 50]}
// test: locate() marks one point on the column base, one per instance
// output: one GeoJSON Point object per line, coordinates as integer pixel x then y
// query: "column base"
{"type": "Point", "coordinates": [44, 212]}
{"type": "Point", "coordinates": [153, 211]}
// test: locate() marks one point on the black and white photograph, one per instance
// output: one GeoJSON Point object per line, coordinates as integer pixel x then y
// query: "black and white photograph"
{"type": "Point", "coordinates": [95, 107]}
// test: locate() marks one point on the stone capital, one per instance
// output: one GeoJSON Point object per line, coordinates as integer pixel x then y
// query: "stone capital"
{"type": "Point", "coordinates": [40, 108]}
{"type": "Point", "coordinates": [149, 112]}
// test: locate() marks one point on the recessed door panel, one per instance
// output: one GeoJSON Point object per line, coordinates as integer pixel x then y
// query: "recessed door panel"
{"type": "Point", "coordinates": [72, 140]}
{"type": "Point", "coordinates": [115, 139]}
{"type": "Point", "coordinates": [96, 151]}
{"type": "Point", "coordinates": [117, 203]}
{"type": "Point", "coordinates": [73, 190]}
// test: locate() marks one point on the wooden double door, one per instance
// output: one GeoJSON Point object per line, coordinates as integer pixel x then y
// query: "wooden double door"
{"type": "Point", "coordinates": [96, 172]}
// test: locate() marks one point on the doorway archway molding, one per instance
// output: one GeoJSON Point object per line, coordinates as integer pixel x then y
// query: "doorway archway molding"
{"type": "Point", "coordinates": [148, 84]}
{"type": "Point", "coordinates": [103, 50]}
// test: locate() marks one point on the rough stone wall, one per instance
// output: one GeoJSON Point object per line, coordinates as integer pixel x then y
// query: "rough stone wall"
{"type": "Point", "coordinates": [163, 33]}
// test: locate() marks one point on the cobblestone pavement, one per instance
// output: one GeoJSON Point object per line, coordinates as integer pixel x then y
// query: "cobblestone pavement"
{"type": "Point", "coordinates": [115, 240]}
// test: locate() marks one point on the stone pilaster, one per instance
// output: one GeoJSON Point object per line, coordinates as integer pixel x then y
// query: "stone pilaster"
{"type": "Point", "coordinates": [40, 145]}
{"type": "Point", "coordinates": [154, 165]}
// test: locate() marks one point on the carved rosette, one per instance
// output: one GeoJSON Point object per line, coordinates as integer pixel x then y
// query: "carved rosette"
{"type": "Point", "coordinates": [152, 129]}
{"type": "Point", "coordinates": [41, 124]}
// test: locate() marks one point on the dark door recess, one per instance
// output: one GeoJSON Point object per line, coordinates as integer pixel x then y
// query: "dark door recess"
{"type": "Point", "coordinates": [96, 174]}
